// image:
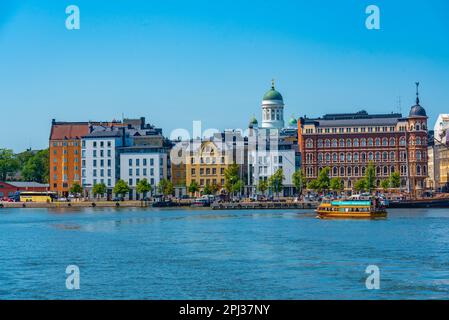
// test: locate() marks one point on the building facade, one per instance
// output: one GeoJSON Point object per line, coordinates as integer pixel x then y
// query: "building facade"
{"type": "Point", "coordinates": [138, 163]}
{"type": "Point", "coordinates": [8, 189]}
{"type": "Point", "coordinates": [65, 155]}
{"type": "Point", "coordinates": [347, 143]}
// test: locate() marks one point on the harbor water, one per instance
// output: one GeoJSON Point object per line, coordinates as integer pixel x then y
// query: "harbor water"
{"type": "Point", "coordinates": [205, 254]}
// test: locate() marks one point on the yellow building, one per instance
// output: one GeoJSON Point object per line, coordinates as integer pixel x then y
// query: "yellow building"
{"type": "Point", "coordinates": [206, 165]}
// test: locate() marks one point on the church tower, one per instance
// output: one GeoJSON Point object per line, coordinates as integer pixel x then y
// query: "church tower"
{"type": "Point", "coordinates": [273, 110]}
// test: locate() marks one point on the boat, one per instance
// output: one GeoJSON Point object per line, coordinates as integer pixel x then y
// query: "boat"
{"type": "Point", "coordinates": [356, 207]}
{"type": "Point", "coordinates": [420, 203]}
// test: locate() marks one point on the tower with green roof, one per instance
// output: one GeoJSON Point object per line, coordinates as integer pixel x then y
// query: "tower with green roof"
{"type": "Point", "coordinates": [273, 109]}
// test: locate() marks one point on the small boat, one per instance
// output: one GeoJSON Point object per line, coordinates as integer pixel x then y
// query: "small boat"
{"type": "Point", "coordinates": [420, 203]}
{"type": "Point", "coordinates": [353, 208]}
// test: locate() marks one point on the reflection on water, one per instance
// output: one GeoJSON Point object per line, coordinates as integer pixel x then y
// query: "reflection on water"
{"type": "Point", "coordinates": [203, 254]}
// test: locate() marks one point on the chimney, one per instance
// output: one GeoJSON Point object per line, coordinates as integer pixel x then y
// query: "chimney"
{"type": "Point", "coordinates": [142, 122]}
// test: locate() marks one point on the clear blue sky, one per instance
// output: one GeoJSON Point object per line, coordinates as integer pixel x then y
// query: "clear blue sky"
{"type": "Point", "coordinates": [178, 61]}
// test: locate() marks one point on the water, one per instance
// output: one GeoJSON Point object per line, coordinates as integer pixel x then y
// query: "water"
{"type": "Point", "coordinates": [203, 254]}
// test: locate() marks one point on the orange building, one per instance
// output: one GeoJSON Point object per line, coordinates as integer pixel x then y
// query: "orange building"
{"type": "Point", "coordinates": [65, 155]}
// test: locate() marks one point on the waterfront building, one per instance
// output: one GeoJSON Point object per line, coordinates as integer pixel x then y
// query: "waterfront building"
{"type": "Point", "coordinates": [178, 160]}
{"type": "Point", "coordinates": [347, 143]}
{"type": "Point", "coordinates": [100, 161]}
{"type": "Point", "coordinates": [206, 163]}
{"type": "Point", "coordinates": [8, 189]}
{"type": "Point", "coordinates": [272, 146]}
{"type": "Point", "coordinates": [142, 162]}
{"type": "Point", "coordinates": [440, 151]}
{"type": "Point", "coordinates": [65, 155]}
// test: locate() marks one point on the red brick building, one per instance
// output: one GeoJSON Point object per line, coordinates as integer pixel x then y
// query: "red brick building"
{"type": "Point", "coordinates": [7, 189]}
{"type": "Point", "coordinates": [347, 143]}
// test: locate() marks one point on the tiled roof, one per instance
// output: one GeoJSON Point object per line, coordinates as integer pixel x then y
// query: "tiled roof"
{"type": "Point", "coordinates": [68, 130]}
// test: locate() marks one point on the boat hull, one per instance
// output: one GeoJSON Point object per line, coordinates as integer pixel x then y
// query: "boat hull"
{"type": "Point", "coordinates": [410, 204]}
{"type": "Point", "coordinates": [351, 215]}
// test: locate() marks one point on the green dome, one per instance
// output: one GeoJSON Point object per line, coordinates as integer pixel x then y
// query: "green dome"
{"type": "Point", "coordinates": [273, 95]}
{"type": "Point", "coordinates": [293, 122]}
{"type": "Point", "coordinates": [253, 121]}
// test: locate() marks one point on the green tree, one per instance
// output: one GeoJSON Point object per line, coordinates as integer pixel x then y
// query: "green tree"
{"type": "Point", "coordinates": [336, 184]}
{"type": "Point", "coordinates": [314, 185]}
{"type": "Point", "coordinates": [76, 189]}
{"type": "Point", "coordinates": [36, 166]}
{"type": "Point", "coordinates": [193, 187]}
{"type": "Point", "coordinates": [215, 188]}
{"type": "Point", "coordinates": [298, 181]}
{"type": "Point", "coordinates": [323, 181]}
{"type": "Point", "coordinates": [8, 164]}
{"type": "Point", "coordinates": [395, 180]}
{"type": "Point", "coordinates": [207, 190]}
{"type": "Point", "coordinates": [165, 187]}
{"type": "Point", "coordinates": [144, 187]}
{"type": "Point", "coordinates": [385, 184]}
{"type": "Point", "coordinates": [262, 186]}
{"type": "Point", "coordinates": [100, 189]}
{"type": "Point", "coordinates": [121, 188]}
{"type": "Point", "coordinates": [276, 181]}
{"type": "Point", "coordinates": [233, 184]}
{"type": "Point", "coordinates": [359, 186]}
{"type": "Point", "coordinates": [370, 177]}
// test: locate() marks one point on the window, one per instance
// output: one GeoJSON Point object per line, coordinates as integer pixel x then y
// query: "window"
{"type": "Point", "coordinates": [130, 162]}
{"type": "Point", "coordinates": [144, 162]}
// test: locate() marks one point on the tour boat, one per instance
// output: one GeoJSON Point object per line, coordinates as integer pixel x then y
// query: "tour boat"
{"type": "Point", "coordinates": [353, 208]}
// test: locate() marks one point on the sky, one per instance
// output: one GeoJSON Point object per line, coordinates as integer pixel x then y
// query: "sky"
{"type": "Point", "coordinates": [175, 61]}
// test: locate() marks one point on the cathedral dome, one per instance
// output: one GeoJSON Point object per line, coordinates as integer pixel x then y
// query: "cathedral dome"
{"type": "Point", "coordinates": [272, 95]}
{"type": "Point", "coordinates": [253, 122]}
{"type": "Point", "coordinates": [293, 122]}
{"type": "Point", "coordinates": [417, 111]}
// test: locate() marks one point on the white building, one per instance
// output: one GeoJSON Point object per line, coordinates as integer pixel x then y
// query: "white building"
{"type": "Point", "coordinates": [272, 146]}
{"type": "Point", "coordinates": [140, 162]}
{"type": "Point", "coordinates": [99, 157]}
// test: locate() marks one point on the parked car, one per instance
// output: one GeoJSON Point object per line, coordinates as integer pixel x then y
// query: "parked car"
{"type": "Point", "coordinates": [118, 199]}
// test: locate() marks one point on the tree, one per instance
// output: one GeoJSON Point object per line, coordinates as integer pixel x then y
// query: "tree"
{"type": "Point", "coordinates": [276, 181]}
{"type": "Point", "coordinates": [215, 188]}
{"type": "Point", "coordinates": [193, 187]}
{"type": "Point", "coordinates": [144, 187]}
{"type": "Point", "coordinates": [370, 177]}
{"type": "Point", "coordinates": [35, 166]}
{"type": "Point", "coordinates": [121, 188]}
{"type": "Point", "coordinates": [8, 164]}
{"type": "Point", "coordinates": [323, 181]}
{"type": "Point", "coordinates": [359, 186]}
{"type": "Point", "coordinates": [76, 189]}
{"type": "Point", "coordinates": [298, 181]}
{"type": "Point", "coordinates": [385, 184]}
{"type": "Point", "coordinates": [262, 186]}
{"type": "Point", "coordinates": [336, 184]}
{"type": "Point", "coordinates": [233, 184]}
{"type": "Point", "coordinates": [313, 185]}
{"type": "Point", "coordinates": [207, 190]}
{"type": "Point", "coordinates": [395, 180]}
{"type": "Point", "coordinates": [100, 189]}
{"type": "Point", "coordinates": [165, 187]}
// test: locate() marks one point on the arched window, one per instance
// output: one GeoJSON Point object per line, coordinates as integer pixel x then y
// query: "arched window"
{"type": "Point", "coordinates": [328, 143]}
{"type": "Point", "coordinates": [385, 142]}
{"type": "Point", "coordinates": [349, 171]}
{"type": "Point", "coordinates": [356, 143]}
{"type": "Point", "coordinates": [342, 143]}
{"type": "Point", "coordinates": [418, 141]}
{"type": "Point", "coordinates": [334, 157]}
{"type": "Point", "coordinates": [370, 156]}
{"type": "Point", "coordinates": [402, 141]}
{"type": "Point", "coordinates": [377, 142]}
{"type": "Point", "coordinates": [385, 171]}
{"type": "Point", "coordinates": [418, 155]}
{"type": "Point", "coordinates": [348, 157]}
{"type": "Point", "coordinates": [342, 157]}
{"type": "Point", "coordinates": [335, 172]}
{"type": "Point", "coordinates": [363, 171]}
{"type": "Point", "coordinates": [320, 143]}
{"type": "Point", "coordinates": [342, 171]}
{"type": "Point", "coordinates": [392, 156]}
{"type": "Point", "coordinates": [385, 156]}
{"type": "Point", "coordinates": [363, 157]}
{"type": "Point", "coordinates": [356, 157]}
{"type": "Point", "coordinates": [363, 142]}
{"type": "Point", "coordinates": [392, 142]}
{"type": "Point", "coordinates": [377, 156]}
{"type": "Point", "coordinates": [348, 143]}
{"type": "Point", "coordinates": [334, 143]}
{"type": "Point", "coordinates": [320, 157]}
{"type": "Point", "coordinates": [378, 171]}
{"type": "Point", "coordinates": [356, 171]}
{"type": "Point", "coordinates": [370, 142]}
{"type": "Point", "coordinates": [309, 143]}
{"type": "Point", "coordinates": [418, 170]}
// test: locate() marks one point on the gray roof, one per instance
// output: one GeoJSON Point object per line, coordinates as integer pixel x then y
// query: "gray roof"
{"type": "Point", "coordinates": [21, 184]}
{"type": "Point", "coordinates": [358, 122]}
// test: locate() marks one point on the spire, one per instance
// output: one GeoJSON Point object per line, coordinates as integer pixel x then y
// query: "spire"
{"type": "Point", "coordinates": [417, 93]}
{"type": "Point", "coordinates": [272, 84]}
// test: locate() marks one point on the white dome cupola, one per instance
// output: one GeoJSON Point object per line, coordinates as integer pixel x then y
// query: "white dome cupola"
{"type": "Point", "coordinates": [273, 109]}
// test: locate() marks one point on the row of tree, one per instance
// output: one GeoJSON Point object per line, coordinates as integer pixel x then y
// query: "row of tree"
{"type": "Point", "coordinates": [121, 188]}
{"type": "Point", "coordinates": [28, 166]}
